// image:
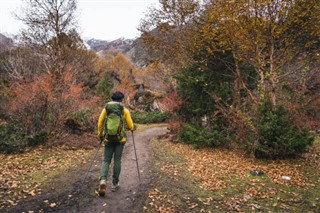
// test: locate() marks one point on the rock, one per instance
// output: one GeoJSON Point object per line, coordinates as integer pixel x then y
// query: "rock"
{"type": "Point", "coordinates": [256, 172]}
{"type": "Point", "coordinates": [287, 178]}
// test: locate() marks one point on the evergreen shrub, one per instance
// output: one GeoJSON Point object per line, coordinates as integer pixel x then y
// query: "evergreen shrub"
{"type": "Point", "coordinates": [150, 117]}
{"type": "Point", "coordinates": [104, 86]}
{"type": "Point", "coordinates": [84, 119]}
{"type": "Point", "coordinates": [199, 136]}
{"type": "Point", "coordinates": [278, 136]}
{"type": "Point", "coordinates": [14, 140]}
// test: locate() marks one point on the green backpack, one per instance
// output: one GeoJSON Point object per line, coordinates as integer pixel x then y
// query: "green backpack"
{"type": "Point", "coordinates": [113, 129]}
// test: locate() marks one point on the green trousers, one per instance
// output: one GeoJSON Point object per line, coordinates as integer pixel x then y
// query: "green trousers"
{"type": "Point", "coordinates": [112, 149]}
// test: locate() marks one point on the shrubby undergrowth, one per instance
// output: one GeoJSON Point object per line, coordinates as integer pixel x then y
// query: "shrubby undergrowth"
{"type": "Point", "coordinates": [44, 106]}
{"type": "Point", "coordinates": [198, 136]}
{"type": "Point", "coordinates": [274, 134]}
{"type": "Point", "coordinates": [104, 86]}
{"type": "Point", "coordinates": [15, 140]}
{"type": "Point", "coordinates": [150, 117]}
{"type": "Point", "coordinates": [278, 135]}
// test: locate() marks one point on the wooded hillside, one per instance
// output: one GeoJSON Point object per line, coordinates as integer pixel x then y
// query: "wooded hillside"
{"type": "Point", "coordinates": [231, 73]}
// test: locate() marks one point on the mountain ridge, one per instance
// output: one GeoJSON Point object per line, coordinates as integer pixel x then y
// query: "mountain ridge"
{"type": "Point", "coordinates": [131, 48]}
{"type": "Point", "coordinates": [120, 44]}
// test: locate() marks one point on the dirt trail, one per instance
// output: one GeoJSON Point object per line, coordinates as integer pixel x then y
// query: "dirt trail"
{"type": "Point", "coordinates": [68, 194]}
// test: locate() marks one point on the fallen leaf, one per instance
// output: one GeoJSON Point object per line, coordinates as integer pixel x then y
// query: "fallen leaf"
{"type": "Point", "coordinates": [32, 193]}
{"type": "Point", "coordinates": [52, 205]}
{"type": "Point", "coordinates": [14, 185]}
{"type": "Point", "coordinates": [12, 203]}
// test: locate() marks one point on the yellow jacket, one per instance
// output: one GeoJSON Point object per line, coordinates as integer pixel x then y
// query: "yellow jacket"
{"type": "Point", "coordinates": [127, 118]}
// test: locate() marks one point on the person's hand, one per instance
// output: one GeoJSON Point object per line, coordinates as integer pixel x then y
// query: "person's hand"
{"type": "Point", "coordinates": [101, 139]}
{"type": "Point", "coordinates": [134, 127]}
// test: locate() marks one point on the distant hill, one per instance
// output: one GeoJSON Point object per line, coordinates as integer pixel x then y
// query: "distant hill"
{"type": "Point", "coordinates": [5, 41]}
{"type": "Point", "coordinates": [137, 54]}
{"type": "Point", "coordinates": [131, 48]}
{"type": "Point", "coordinates": [134, 63]}
{"type": "Point", "coordinates": [120, 44]}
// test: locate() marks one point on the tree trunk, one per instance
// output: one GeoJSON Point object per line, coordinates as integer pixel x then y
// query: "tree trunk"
{"type": "Point", "coordinates": [237, 80]}
{"type": "Point", "coordinates": [272, 75]}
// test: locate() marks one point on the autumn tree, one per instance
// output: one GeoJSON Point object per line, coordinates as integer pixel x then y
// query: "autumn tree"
{"type": "Point", "coordinates": [257, 32]}
{"type": "Point", "coordinates": [260, 36]}
{"type": "Point", "coordinates": [302, 85]}
{"type": "Point", "coordinates": [51, 30]}
{"type": "Point", "coordinates": [50, 75]}
{"type": "Point", "coordinates": [242, 57]}
{"type": "Point", "coordinates": [166, 31]}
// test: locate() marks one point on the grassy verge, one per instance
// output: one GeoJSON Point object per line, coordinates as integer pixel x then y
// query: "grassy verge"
{"type": "Point", "coordinates": [218, 180]}
{"type": "Point", "coordinates": [24, 175]}
{"type": "Point", "coordinates": [141, 127]}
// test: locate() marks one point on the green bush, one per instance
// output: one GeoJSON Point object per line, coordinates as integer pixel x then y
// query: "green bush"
{"type": "Point", "coordinates": [104, 86]}
{"type": "Point", "coordinates": [13, 140]}
{"type": "Point", "coordinates": [198, 136]}
{"type": "Point", "coordinates": [84, 119]}
{"type": "Point", "coordinates": [278, 136]}
{"type": "Point", "coordinates": [150, 117]}
{"type": "Point", "coordinates": [37, 139]}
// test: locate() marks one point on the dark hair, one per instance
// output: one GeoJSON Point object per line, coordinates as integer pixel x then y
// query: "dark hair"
{"type": "Point", "coordinates": [117, 96]}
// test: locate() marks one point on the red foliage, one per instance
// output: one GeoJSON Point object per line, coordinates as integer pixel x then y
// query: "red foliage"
{"type": "Point", "coordinates": [29, 92]}
{"type": "Point", "coordinates": [174, 126]}
{"type": "Point", "coordinates": [172, 102]}
{"type": "Point", "coordinates": [30, 106]}
{"type": "Point", "coordinates": [46, 101]}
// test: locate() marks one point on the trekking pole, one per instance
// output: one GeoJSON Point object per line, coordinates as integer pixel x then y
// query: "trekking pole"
{"type": "Point", "coordinates": [82, 183]}
{"type": "Point", "coordinates": [135, 152]}
{"type": "Point", "coordinates": [92, 162]}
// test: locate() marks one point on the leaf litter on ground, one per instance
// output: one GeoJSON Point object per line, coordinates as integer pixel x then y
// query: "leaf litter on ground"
{"type": "Point", "coordinates": [23, 175]}
{"type": "Point", "coordinates": [226, 174]}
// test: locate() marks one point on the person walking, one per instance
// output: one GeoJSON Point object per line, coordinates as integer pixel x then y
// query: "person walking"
{"type": "Point", "coordinates": [112, 133]}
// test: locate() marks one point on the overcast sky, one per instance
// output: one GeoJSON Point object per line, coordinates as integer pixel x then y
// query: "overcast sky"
{"type": "Point", "coordinates": [100, 19]}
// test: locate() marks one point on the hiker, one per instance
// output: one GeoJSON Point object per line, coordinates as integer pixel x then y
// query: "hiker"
{"type": "Point", "coordinates": [111, 131]}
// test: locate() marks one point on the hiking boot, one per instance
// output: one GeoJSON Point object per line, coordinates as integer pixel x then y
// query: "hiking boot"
{"type": "Point", "coordinates": [102, 188]}
{"type": "Point", "coordinates": [115, 187]}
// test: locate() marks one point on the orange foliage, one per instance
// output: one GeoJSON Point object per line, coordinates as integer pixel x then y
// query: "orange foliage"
{"type": "Point", "coordinates": [122, 66]}
{"type": "Point", "coordinates": [128, 88]}
{"type": "Point", "coordinates": [70, 91]}
{"type": "Point", "coordinates": [46, 101]}
{"type": "Point", "coordinates": [31, 102]}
